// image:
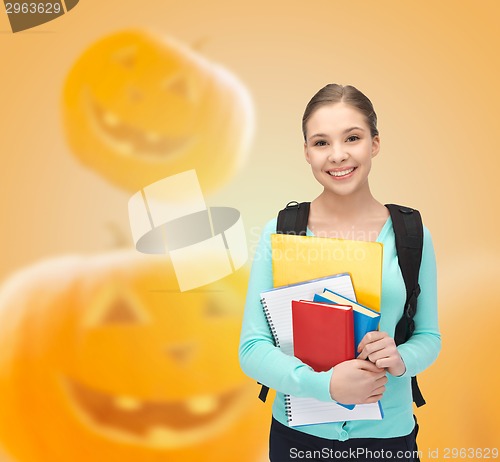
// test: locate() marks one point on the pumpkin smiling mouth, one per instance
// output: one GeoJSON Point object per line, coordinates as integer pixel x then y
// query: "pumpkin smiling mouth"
{"type": "Point", "coordinates": [157, 423]}
{"type": "Point", "coordinates": [131, 141]}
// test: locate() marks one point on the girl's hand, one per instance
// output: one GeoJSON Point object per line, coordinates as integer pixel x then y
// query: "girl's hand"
{"type": "Point", "coordinates": [381, 350]}
{"type": "Point", "coordinates": [357, 382]}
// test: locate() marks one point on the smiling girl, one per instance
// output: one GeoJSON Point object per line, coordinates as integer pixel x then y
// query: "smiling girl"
{"type": "Point", "coordinates": [340, 141]}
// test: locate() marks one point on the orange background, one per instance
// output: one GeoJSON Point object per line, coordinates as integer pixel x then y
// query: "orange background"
{"type": "Point", "coordinates": [431, 70]}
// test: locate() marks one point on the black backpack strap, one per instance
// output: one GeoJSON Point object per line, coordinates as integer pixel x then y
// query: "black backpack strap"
{"type": "Point", "coordinates": [291, 220]}
{"type": "Point", "coordinates": [409, 233]}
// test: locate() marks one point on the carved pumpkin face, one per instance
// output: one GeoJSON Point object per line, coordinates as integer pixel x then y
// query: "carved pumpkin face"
{"type": "Point", "coordinates": [104, 354]}
{"type": "Point", "coordinates": [138, 108]}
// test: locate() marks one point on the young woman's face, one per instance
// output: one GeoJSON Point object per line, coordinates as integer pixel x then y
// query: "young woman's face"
{"type": "Point", "coordinates": [340, 148]}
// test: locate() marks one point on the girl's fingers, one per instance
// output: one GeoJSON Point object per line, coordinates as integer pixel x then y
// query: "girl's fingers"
{"type": "Point", "coordinates": [388, 352]}
{"type": "Point", "coordinates": [383, 362]}
{"type": "Point", "coordinates": [369, 366]}
{"type": "Point", "coordinates": [374, 347]}
{"type": "Point", "coordinates": [382, 380]}
{"type": "Point", "coordinates": [379, 390]}
{"type": "Point", "coordinates": [371, 337]}
{"type": "Point", "coordinates": [373, 399]}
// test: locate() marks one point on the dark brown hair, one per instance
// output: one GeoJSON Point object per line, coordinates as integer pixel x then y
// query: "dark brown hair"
{"type": "Point", "coordinates": [334, 93]}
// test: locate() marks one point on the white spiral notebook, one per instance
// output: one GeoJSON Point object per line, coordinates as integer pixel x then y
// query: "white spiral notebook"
{"type": "Point", "coordinates": [278, 310]}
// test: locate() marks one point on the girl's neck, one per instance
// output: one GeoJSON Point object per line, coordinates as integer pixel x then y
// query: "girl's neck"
{"type": "Point", "coordinates": [346, 208]}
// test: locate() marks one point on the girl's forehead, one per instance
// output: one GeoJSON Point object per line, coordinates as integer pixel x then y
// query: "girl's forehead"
{"type": "Point", "coordinates": [337, 116]}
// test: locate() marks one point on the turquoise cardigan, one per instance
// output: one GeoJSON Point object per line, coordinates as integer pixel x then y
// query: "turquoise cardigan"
{"type": "Point", "coordinates": [264, 362]}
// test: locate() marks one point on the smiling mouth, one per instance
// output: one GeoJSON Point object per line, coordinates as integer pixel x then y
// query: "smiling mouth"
{"type": "Point", "coordinates": [339, 174]}
{"type": "Point", "coordinates": [131, 141]}
{"type": "Point", "coordinates": [162, 424]}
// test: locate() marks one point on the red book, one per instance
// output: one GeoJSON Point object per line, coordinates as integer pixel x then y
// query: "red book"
{"type": "Point", "coordinates": [323, 334]}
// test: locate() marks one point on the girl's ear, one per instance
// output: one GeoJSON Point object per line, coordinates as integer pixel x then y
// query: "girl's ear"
{"type": "Point", "coordinates": [375, 145]}
{"type": "Point", "coordinates": [306, 153]}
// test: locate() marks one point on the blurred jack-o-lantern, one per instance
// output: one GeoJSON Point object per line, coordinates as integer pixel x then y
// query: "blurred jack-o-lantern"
{"type": "Point", "coordinates": [461, 389]}
{"type": "Point", "coordinates": [139, 107]}
{"type": "Point", "coordinates": [102, 358]}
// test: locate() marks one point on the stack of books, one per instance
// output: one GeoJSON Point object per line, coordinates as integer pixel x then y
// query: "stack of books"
{"type": "Point", "coordinates": [318, 312]}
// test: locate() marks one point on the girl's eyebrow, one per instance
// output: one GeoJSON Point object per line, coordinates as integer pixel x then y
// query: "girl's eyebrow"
{"type": "Point", "coordinates": [352, 128]}
{"type": "Point", "coordinates": [320, 135]}
{"type": "Point", "coordinates": [347, 130]}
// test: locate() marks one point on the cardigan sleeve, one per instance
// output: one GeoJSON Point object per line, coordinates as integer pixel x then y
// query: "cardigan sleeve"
{"type": "Point", "coordinates": [258, 355]}
{"type": "Point", "coordinates": [423, 347]}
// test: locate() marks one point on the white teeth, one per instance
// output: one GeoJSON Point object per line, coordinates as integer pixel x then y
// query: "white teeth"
{"type": "Point", "coordinates": [127, 403]}
{"type": "Point", "coordinates": [343, 173]}
{"type": "Point", "coordinates": [161, 436]}
{"type": "Point", "coordinates": [198, 405]}
{"type": "Point", "coordinates": [202, 404]}
{"type": "Point", "coordinates": [110, 119]}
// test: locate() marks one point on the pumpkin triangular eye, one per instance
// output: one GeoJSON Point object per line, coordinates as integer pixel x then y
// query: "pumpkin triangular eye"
{"type": "Point", "coordinates": [115, 307]}
{"type": "Point", "coordinates": [120, 312]}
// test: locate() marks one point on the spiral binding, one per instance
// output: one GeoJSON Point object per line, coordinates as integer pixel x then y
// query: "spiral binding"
{"type": "Point", "coordinates": [288, 408]}
{"type": "Point", "coordinates": [269, 321]}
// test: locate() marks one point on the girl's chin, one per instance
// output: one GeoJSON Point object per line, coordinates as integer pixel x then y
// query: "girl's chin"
{"type": "Point", "coordinates": [342, 191]}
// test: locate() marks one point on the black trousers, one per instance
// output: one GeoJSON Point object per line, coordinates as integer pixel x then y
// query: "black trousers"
{"type": "Point", "coordinates": [287, 444]}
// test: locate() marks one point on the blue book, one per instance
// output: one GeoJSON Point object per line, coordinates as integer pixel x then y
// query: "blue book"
{"type": "Point", "coordinates": [365, 319]}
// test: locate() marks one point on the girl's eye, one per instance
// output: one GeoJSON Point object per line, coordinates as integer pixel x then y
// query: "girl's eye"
{"type": "Point", "coordinates": [320, 143]}
{"type": "Point", "coordinates": [353, 138]}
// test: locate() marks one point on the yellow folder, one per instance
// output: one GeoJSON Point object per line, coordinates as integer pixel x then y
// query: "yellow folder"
{"type": "Point", "coordinates": [300, 258]}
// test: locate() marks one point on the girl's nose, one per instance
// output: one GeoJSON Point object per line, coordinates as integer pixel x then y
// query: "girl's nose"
{"type": "Point", "coordinates": [337, 155]}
